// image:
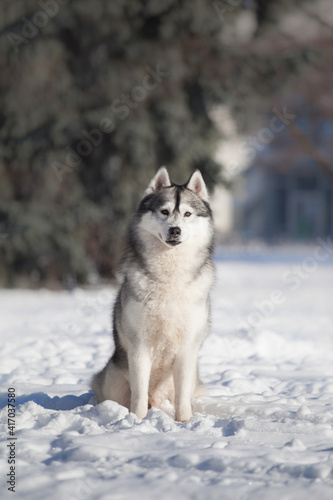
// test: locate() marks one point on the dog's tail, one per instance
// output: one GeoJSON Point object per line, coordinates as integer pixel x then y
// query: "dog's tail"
{"type": "Point", "coordinates": [96, 385]}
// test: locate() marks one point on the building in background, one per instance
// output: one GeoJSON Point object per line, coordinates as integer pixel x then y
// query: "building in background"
{"type": "Point", "coordinates": [287, 193]}
{"type": "Point", "coordinates": [286, 203]}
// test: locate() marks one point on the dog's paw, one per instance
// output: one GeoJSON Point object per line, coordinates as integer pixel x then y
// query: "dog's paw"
{"type": "Point", "coordinates": [140, 410]}
{"type": "Point", "coordinates": [183, 415]}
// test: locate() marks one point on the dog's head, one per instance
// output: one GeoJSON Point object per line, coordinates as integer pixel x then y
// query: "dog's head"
{"type": "Point", "coordinates": [174, 214]}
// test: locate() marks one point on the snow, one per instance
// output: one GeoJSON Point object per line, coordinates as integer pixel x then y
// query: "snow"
{"type": "Point", "coordinates": [264, 431]}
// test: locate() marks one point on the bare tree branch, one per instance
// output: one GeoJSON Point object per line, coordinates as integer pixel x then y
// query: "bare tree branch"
{"type": "Point", "coordinates": [317, 18]}
{"type": "Point", "coordinates": [311, 149]}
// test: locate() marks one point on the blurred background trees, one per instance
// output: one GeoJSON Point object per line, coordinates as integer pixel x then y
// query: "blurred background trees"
{"type": "Point", "coordinates": [96, 95]}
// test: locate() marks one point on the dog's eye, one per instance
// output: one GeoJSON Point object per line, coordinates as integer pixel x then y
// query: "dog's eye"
{"type": "Point", "coordinates": [187, 214]}
{"type": "Point", "coordinates": [165, 212]}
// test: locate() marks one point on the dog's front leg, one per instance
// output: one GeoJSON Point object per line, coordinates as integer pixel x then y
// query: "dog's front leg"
{"type": "Point", "coordinates": [139, 372]}
{"type": "Point", "coordinates": [184, 372]}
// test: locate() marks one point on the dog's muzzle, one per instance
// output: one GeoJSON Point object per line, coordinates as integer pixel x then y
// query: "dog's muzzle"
{"type": "Point", "coordinates": [174, 234]}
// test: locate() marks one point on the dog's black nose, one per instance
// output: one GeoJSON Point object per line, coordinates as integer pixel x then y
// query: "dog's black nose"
{"type": "Point", "coordinates": [175, 231]}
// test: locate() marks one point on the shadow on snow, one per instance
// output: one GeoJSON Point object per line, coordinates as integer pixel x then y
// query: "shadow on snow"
{"type": "Point", "coordinates": [68, 402]}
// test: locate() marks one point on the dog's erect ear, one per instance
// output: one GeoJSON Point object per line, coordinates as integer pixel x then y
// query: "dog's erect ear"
{"type": "Point", "coordinates": [197, 185]}
{"type": "Point", "coordinates": [158, 182]}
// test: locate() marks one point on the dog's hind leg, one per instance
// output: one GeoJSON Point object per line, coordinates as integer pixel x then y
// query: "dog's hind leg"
{"type": "Point", "coordinates": [163, 390]}
{"type": "Point", "coordinates": [112, 383]}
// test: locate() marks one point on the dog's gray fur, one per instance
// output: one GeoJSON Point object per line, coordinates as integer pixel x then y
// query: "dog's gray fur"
{"type": "Point", "coordinates": [161, 314]}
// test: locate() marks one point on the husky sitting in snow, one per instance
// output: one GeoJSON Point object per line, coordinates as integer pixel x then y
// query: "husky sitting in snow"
{"type": "Point", "coordinates": [161, 314]}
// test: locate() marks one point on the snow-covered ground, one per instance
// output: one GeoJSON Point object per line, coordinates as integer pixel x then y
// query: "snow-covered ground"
{"type": "Point", "coordinates": [265, 431]}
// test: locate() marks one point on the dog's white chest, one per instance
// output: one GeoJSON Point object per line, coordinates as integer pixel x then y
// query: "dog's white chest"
{"type": "Point", "coordinates": [171, 313]}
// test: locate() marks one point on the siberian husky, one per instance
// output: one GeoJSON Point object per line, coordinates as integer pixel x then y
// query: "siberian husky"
{"type": "Point", "coordinates": [161, 314]}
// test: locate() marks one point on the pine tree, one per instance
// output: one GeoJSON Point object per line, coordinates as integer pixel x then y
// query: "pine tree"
{"type": "Point", "coordinates": [95, 97]}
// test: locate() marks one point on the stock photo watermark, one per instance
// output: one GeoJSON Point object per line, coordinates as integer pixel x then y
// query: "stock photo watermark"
{"type": "Point", "coordinates": [83, 488]}
{"type": "Point", "coordinates": [120, 108]}
{"type": "Point", "coordinates": [249, 148]}
{"type": "Point", "coordinates": [292, 281]}
{"type": "Point", "coordinates": [225, 7]}
{"type": "Point", "coordinates": [256, 143]}
{"type": "Point", "coordinates": [11, 475]}
{"type": "Point", "coordinates": [30, 27]}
